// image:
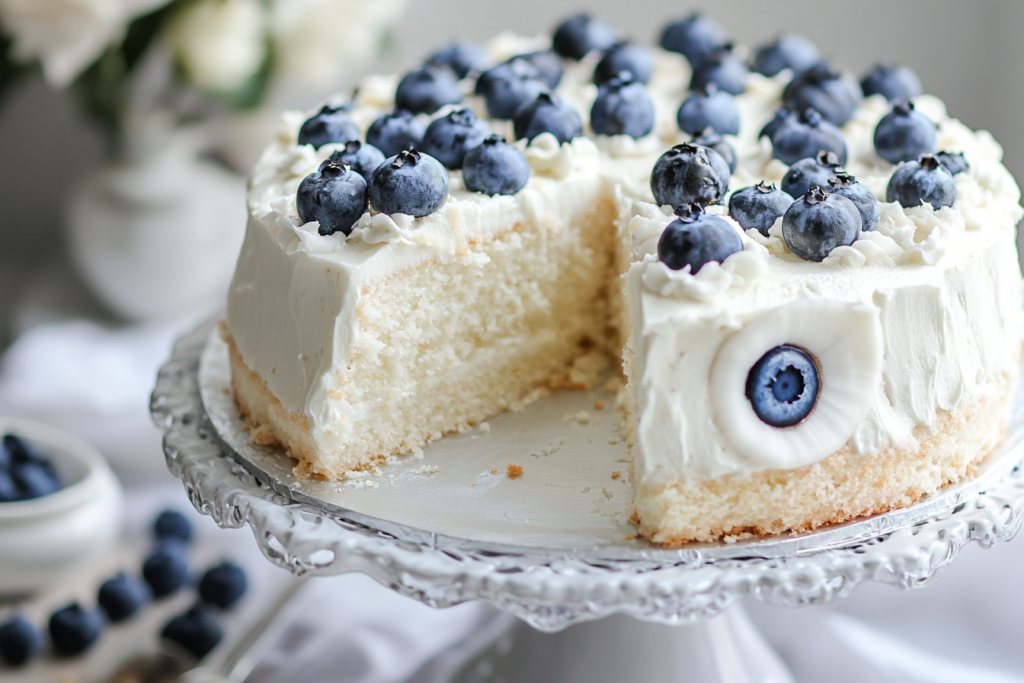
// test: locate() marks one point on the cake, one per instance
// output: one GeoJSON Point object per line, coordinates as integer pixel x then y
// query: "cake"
{"type": "Point", "coordinates": [789, 361]}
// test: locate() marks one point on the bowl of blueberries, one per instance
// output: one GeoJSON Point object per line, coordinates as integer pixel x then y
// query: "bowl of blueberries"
{"type": "Point", "coordinates": [60, 504]}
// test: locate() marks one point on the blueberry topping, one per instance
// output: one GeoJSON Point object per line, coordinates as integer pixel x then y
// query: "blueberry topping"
{"type": "Point", "coordinates": [122, 597]}
{"type": "Point", "coordinates": [811, 172]}
{"type": "Point", "coordinates": [826, 90]}
{"type": "Point", "coordinates": [548, 114]}
{"type": "Point", "coordinates": [166, 569]}
{"type": "Point", "coordinates": [818, 222]}
{"type": "Point", "coordinates": [844, 184]}
{"type": "Point", "coordinates": [509, 87]}
{"type": "Point", "coordinates": [787, 52]}
{"type": "Point", "coordinates": [581, 34]}
{"type": "Point", "coordinates": [630, 57]}
{"type": "Point", "coordinates": [758, 207]}
{"type": "Point", "coordinates": [334, 196]}
{"type": "Point", "coordinates": [495, 167]}
{"type": "Point", "coordinates": [74, 629]}
{"type": "Point", "coordinates": [330, 124]}
{"type": "Point", "coordinates": [20, 641]}
{"type": "Point", "coordinates": [696, 238]}
{"type": "Point", "coordinates": [779, 118]}
{"type": "Point", "coordinates": [722, 68]}
{"type": "Point", "coordinates": [363, 158]}
{"type": "Point", "coordinates": [904, 134]}
{"type": "Point", "coordinates": [712, 140]}
{"type": "Point", "coordinates": [548, 65]}
{"type": "Point", "coordinates": [622, 107]}
{"type": "Point", "coordinates": [196, 631]}
{"type": "Point", "coordinates": [171, 525]}
{"type": "Point", "coordinates": [395, 131]}
{"type": "Point", "coordinates": [802, 137]}
{"type": "Point", "coordinates": [223, 585]}
{"type": "Point", "coordinates": [449, 138]}
{"type": "Point", "coordinates": [411, 183]}
{"type": "Point", "coordinates": [461, 57]}
{"type": "Point", "coordinates": [955, 162]}
{"type": "Point", "coordinates": [694, 37]}
{"type": "Point", "coordinates": [783, 386]}
{"type": "Point", "coordinates": [892, 82]}
{"type": "Point", "coordinates": [426, 90]}
{"type": "Point", "coordinates": [686, 175]}
{"type": "Point", "coordinates": [709, 108]}
{"type": "Point", "coordinates": [925, 181]}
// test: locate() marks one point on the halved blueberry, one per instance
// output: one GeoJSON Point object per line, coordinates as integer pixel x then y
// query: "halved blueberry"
{"type": "Point", "coordinates": [825, 89]}
{"type": "Point", "coordinates": [330, 124]}
{"type": "Point", "coordinates": [20, 641]}
{"type": "Point", "coordinates": [462, 57]}
{"type": "Point", "coordinates": [427, 89]}
{"type": "Point", "coordinates": [694, 37]}
{"type": "Point", "coordinates": [787, 52]}
{"type": "Point", "coordinates": [495, 167]}
{"type": "Point", "coordinates": [904, 134]}
{"type": "Point", "coordinates": [630, 57]}
{"type": "Point", "coordinates": [808, 173]}
{"type": "Point", "coordinates": [395, 131]}
{"type": "Point", "coordinates": [74, 629]}
{"type": "Point", "coordinates": [818, 222]}
{"type": "Point", "coordinates": [783, 386]}
{"type": "Point", "coordinates": [334, 196]}
{"type": "Point", "coordinates": [758, 207]}
{"type": "Point", "coordinates": [696, 238]}
{"type": "Point", "coordinates": [844, 184]}
{"type": "Point", "coordinates": [622, 107]}
{"type": "Point", "coordinates": [892, 82]}
{"type": "Point", "coordinates": [804, 136]}
{"type": "Point", "coordinates": [686, 174]}
{"type": "Point", "coordinates": [581, 34]}
{"type": "Point", "coordinates": [411, 183]}
{"type": "Point", "coordinates": [709, 107]}
{"type": "Point", "coordinates": [548, 114]}
{"type": "Point", "coordinates": [925, 181]}
{"type": "Point", "coordinates": [449, 137]}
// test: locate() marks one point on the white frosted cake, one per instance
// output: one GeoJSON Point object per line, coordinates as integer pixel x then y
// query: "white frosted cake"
{"type": "Point", "coordinates": [352, 349]}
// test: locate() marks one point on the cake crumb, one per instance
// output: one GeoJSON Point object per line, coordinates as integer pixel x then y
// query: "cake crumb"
{"type": "Point", "coordinates": [598, 405]}
{"type": "Point", "coordinates": [485, 427]}
{"type": "Point", "coordinates": [427, 469]}
{"type": "Point", "coordinates": [474, 483]}
{"type": "Point", "coordinates": [607, 494]}
{"type": "Point", "coordinates": [583, 417]}
{"type": "Point", "coordinates": [616, 474]}
{"type": "Point", "coordinates": [629, 537]}
{"type": "Point", "coordinates": [729, 540]}
{"type": "Point", "coordinates": [613, 441]}
{"type": "Point", "coordinates": [514, 471]}
{"type": "Point", "coordinates": [586, 489]}
{"type": "Point", "coordinates": [494, 470]}
{"type": "Point", "coordinates": [417, 453]}
{"type": "Point", "coordinates": [377, 472]}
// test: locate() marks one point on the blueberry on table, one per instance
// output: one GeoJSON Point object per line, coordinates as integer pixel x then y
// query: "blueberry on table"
{"type": "Point", "coordinates": [892, 82]}
{"type": "Point", "coordinates": [825, 89]}
{"type": "Point", "coordinates": [709, 107]}
{"type": "Point", "coordinates": [449, 137]}
{"type": "Point", "coordinates": [787, 52]}
{"type": "Point", "coordinates": [548, 114]}
{"type": "Point", "coordinates": [334, 196]}
{"type": "Point", "coordinates": [686, 174]}
{"type": "Point", "coordinates": [461, 57]}
{"type": "Point", "coordinates": [74, 629]}
{"type": "Point", "coordinates": [172, 525]}
{"type": "Point", "coordinates": [696, 238]}
{"type": "Point", "coordinates": [783, 386]}
{"type": "Point", "coordinates": [196, 631]}
{"type": "Point", "coordinates": [579, 35]}
{"type": "Point", "coordinates": [694, 37]}
{"type": "Point", "coordinates": [20, 641]}
{"type": "Point", "coordinates": [804, 136]}
{"type": "Point", "coordinates": [712, 140]}
{"type": "Point", "coordinates": [495, 167]}
{"type": "Point", "coordinates": [122, 597]}
{"type": "Point", "coordinates": [955, 162]}
{"type": "Point", "coordinates": [818, 222]}
{"type": "Point", "coordinates": [925, 181]}
{"type": "Point", "coordinates": [620, 57]}
{"type": "Point", "coordinates": [411, 183]}
{"type": "Point", "coordinates": [427, 89]}
{"type": "Point", "coordinates": [758, 207]}
{"type": "Point", "coordinates": [223, 585]}
{"type": "Point", "coordinates": [844, 184]}
{"type": "Point", "coordinates": [332, 124]}
{"type": "Point", "coordinates": [166, 569]}
{"type": "Point", "coordinates": [364, 158]}
{"type": "Point", "coordinates": [905, 134]}
{"type": "Point", "coordinates": [395, 131]}
{"type": "Point", "coordinates": [724, 69]}
{"type": "Point", "coordinates": [509, 87]}
{"type": "Point", "coordinates": [811, 172]}
{"type": "Point", "coordinates": [622, 107]}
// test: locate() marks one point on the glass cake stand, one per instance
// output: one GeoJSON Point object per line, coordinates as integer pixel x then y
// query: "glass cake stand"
{"type": "Point", "coordinates": [554, 546]}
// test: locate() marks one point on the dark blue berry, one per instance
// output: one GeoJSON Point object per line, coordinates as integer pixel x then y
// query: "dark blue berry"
{"type": "Point", "coordinates": [925, 181]}
{"type": "Point", "coordinates": [19, 451]}
{"type": "Point", "coordinates": [461, 57]}
{"type": "Point", "coordinates": [955, 162]}
{"type": "Point", "coordinates": [509, 87]}
{"type": "Point", "coordinates": [363, 158]}
{"type": "Point", "coordinates": [427, 89]}
{"type": "Point", "coordinates": [783, 386]}
{"type": "Point", "coordinates": [686, 174]}
{"type": "Point", "coordinates": [5, 457]}
{"type": "Point", "coordinates": [787, 52]}
{"type": "Point", "coordinates": [694, 37]}
{"type": "Point", "coordinates": [630, 57]}
{"type": "Point", "coordinates": [495, 167]}
{"type": "Point", "coordinates": [166, 569]}
{"type": "Point", "coordinates": [548, 65]}
{"type": "Point", "coordinates": [892, 82]}
{"type": "Point", "coordinates": [804, 136]}
{"type": "Point", "coordinates": [33, 480]}
{"type": "Point", "coordinates": [330, 124]}
{"type": "Point", "coordinates": [74, 629]}
{"type": "Point", "coordinates": [818, 222]}
{"type": "Point", "coordinates": [696, 238]}
{"type": "Point", "coordinates": [779, 118]}
{"type": "Point", "coordinates": [449, 138]}
{"type": "Point", "coordinates": [8, 489]}
{"type": "Point", "coordinates": [904, 134]}
{"type": "Point", "coordinates": [579, 35]}
{"type": "Point", "coordinates": [844, 184]}
{"type": "Point", "coordinates": [223, 585]}
{"type": "Point", "coordinates": [411, 183]}
{"type": "Point", "coordinates": [122, 597]}
{"type": "Point", "coordinates": [395, 131]}
{"type": "Point", "coordinates": [548, 114]}
{"type": "Point", "coordinates": [197, 631]}
{"type": "Point", "coordinates": [334, 196]}
{"type": "Point", "coordinates": [758, 207]}
{"type": "Point", "coordinates": [171, 525]}
{"type": "Point", "coordinates": [622, 107]}
{"type": "Point", "coordinates": [724, 69]}
{"type": "Point", "coordinates": [20, 641]}
{"type": "Point", "coordinates": [808, 173]}
{"type": "Point", "coordinates": [712, 140]}
{"type": "Point", "coordinates": [826, 90]}
{"type": "Point", "coordinates": [709, 108]}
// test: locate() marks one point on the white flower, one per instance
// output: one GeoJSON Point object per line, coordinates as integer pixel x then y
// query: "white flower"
{"type": "Point", "coordinates": [66, 36]}
{"type": "Point", "coordinates": [220, 43]}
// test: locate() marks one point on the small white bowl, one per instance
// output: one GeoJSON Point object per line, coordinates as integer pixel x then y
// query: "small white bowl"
{"type": "Point", "coordinates": [43, 539]}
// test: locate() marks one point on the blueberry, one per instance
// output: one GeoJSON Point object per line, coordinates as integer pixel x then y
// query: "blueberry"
{"type": "Point", "coordinates": [395, 131]}
{"type": "Point", "coordinates": [694, 37]}
{"type": "Point", "coordinates": [122, 597]}
{"type": "Point", "coordinates": [622, 107]}
{"type": "Point", "coordinates": [509, 87]}
{"type": "Point", "coordinates": [779, 118]}
{"type": "Point", "coordinates": [892, 82]}
{"type": "Point", "coordinates": [18, 450]}
{"type": "Point", "coordinates": [195, 630]}
{"type": "Point", "coordinates": [904, 134]}
{"type": "Point", "coordinates": [33, 480]}
{"type": "Point", "coordinates": [166, 569]}
{"type": "Point", "coordinates": [223, 585]}
{"type": "Point", "coordinates": [548, 65]}
{"type": "Point", "coordinates": [411, 183]}
{"type": "Point", "coordinates": [8, 489]}
{"type": "Point", "coordinates": [330, 124]}
{"type": "Point", "coordinates": [74, 629]}
{"type": "Point", "coordinates": [787, 52]}
{"type": "Point", "coordinates": [630, 57]}
{"type": "Point", "coordinates": [461, 57]}
{"type": "Point", "coordinates": [19, 641]}
{"type": "Point", "coordinates": [808, 173]}
{"type": "Point", "coordinates": [495, 167]}
{"type": "Point", "coordinates": [826, 90]}
{"type": "Point", "coordinates": [818, 222]}
{"type": "Point", "coordinates": [5, 457]}
{"type": "Point", "coordinates": [334, 196]}
{"type": "Point", "coordinates": [712, 140]}
{"type": "Point", "coordinates": [925, 181]}
{"type": "Point", "coordinates": [363, 158]}
{"type": "Point", "coordinates": [802, 137]}
{"type": "Point", "coordinates": [722, 68]}
{"type": "Point", "coordinates": [844, 184]}
{"type": "Point", "coordinates": [955, 162]}
{"type": "Point", "coordinates": [580, 35]}
{"type": "Point", "coordinates": [449, 138]}
{"type": "Point", "coordinates": [783, 386]}
{"type": "Point", "coordinates": [548, 114]}
{"type": "Point", "coordinates": [758, 207]}
{"type": "Point", "coordinates": [171, 525]}
{"type": "Point", "coordinates": [696, 238]}
{"type": "Point", "coordinates": [686, 174]}
{"type": "Point", "coordinates": [427, 89]}
{"type": "Point", "coordinates": [709, 107]}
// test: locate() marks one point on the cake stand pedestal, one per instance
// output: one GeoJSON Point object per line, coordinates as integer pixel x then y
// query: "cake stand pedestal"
{"type": "Point", "coordinates": [554, 547]}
